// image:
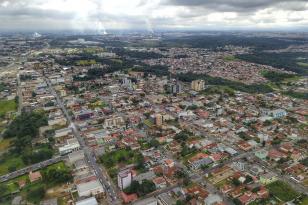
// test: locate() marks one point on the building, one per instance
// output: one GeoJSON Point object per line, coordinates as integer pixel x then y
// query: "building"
{"type": "Point", "coordinates": [198, 85]}
{"type": "Point", "coordinates": [125, 178]}
{"type": "Point", "coordinates": [35, 176]}
{"type": "Point", "coordinates": [75, 156]}
{"type": "Point", "coordinates": [63, 132]}
{"type": "Point", "coordinates": [159, 119]}
{"type": "Point", "coordinates": [90, 188]}
{"type": "Point", "coordinates": [71, 146]}
{"type": "Point", "coordinates": [88, 201]}
{"type": "Point", "coordinates": [278, 113]}
{"type": "Point", "coordinates": [114, 122]}
{"type": "Point", "coordinates": [213, 199]}
{"type": "Point", "coordinates": [148, 201]}
{"type": "Point", "coordinates": [165, 199]}
{"type": "Point", "coordinates": [176, 88]}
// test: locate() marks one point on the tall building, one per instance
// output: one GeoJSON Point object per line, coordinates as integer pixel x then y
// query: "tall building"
{"type": "Point", "coordinates": [159, 119]}
{"type": "Point", "coordinates": [176, 88]}
{"type": "Point", "coordinates": [198, 85]}
{"type": "Point", "coordinates": [125, 178]}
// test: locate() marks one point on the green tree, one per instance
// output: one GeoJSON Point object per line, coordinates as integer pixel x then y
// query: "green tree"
{"type": "Point", "coordinates": [36, 193]}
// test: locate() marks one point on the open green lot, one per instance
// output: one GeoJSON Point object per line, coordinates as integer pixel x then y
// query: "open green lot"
{"type": "Point", "coordinates": [282, 191]}
{"type": "Point", "coordinates": [5, 144]}
{"type": "Point", "coordinates": [33, 192]}
{"type": "Point", "coordinates": [302, 64]}
{"type": "Point", "coordinates": [230, 58]}
{"type": "Point", "coordinates": [7, 106]}
{"type": "Point", "coordinates": [10, 163]}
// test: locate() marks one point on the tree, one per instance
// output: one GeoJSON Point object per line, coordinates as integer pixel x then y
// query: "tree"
{"type": "Point", "coordinates": [236, 182]}
{"type": "Point", "coordinates": [3, 188]}
{"type": "Point", "coordinates": [248, 179]}
{"type": "Point", "coordinates": [182, 136]}
{"type": "Point", "coordinates": [57, 176]}
{"type": "Point", "coordinates": [133, 188]}
{"type": "Point", "coordinates": [146, 187]}
{"type": "Point", "coordinates": [37, 193]}
{"type": "Point", "coordinates": [179, 202]}
{"type": "Point", "coordinates": [154, 143]}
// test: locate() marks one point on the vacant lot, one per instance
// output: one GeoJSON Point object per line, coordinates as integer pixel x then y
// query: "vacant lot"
{"type": "Point", "coordinates": [282, 191]}
{"type": "Point", "coordinates": [7, 106]}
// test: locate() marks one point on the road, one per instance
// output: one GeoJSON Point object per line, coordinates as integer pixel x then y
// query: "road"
{"type": "Point", "coordinates": [296, 186]}
{"type": "Point", "coordinates": [89, 154]}
{"type": "Point", "coordinates": [19, 93]}
{"type": "Point", "coordinates": [33, 167]}
{"type": "Point", "coordinates": [195, 176]}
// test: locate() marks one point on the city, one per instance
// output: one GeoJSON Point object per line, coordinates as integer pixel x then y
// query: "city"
{"type": "Point", "coordinates": [154, 118]}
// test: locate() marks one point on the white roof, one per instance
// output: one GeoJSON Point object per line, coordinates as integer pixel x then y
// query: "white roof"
{"type": "Point", "coordinates": [88, 186]}
{"type": "Point", "coordinates": [88, 201]}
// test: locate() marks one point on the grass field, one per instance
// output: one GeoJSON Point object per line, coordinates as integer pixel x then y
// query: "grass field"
{"type": "Point", "coordinates": [10, 161]}
{"type": "Point", "coordinates": [302, 64]}
{"type": "Point", "coordinates": [7, 106]}
{"type": "Point", "coordinates": [13, 187]}
{"type": "Point", "coordinates": [230, 58]}
{"type": "Point", "coordinates": [5, 144]}
{"type": "Point", "coordinates": [282, 191]}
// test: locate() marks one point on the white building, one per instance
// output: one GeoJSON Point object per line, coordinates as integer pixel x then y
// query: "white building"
{"type": "Point", "coordinates": [88, 201]}
{"type": "Point", "coordinates": [63, 132]}
{"type": "Point", "coordinates": [71, 145]}
{"type": "Point", "coordinates": [125, 178]}
{"type": "Point", "coordinates": [91, 188]}
{"type": "Point", "coordinates": [148, 201]}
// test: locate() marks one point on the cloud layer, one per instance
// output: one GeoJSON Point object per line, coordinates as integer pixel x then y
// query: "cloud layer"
{"type": "Point", "coordinates": [152, 14]}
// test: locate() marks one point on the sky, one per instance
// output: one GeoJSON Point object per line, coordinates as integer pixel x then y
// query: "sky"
{"type": "Point", "coordinates": [151, 15]}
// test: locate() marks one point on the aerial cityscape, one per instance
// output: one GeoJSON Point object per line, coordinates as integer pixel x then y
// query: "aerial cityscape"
{"type": "Point", "coordinates": [163, 102]}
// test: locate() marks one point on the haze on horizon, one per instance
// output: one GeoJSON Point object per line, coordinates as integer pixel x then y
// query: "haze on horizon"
{"type": "Point", "coordinates": [101, 15]}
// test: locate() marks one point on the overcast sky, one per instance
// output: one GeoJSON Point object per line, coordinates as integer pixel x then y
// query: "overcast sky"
{"type": "Point", "coordinates": [153, 14]}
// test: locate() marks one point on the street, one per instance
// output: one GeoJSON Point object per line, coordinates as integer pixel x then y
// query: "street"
{"type": "Point", "coordinates": [89, 154]}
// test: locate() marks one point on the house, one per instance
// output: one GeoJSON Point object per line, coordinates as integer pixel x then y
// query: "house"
{"type": "Point", "coordinates": [245, 146]}
{"type": "Point", "coordinates": [197, 192]}
{"type": "Point", "coordinates": [268, 178]}
{"type": "Point", "coordinates": [213, 199]}
{"type": "Point", "coordinates": [160, 182]}
{"type": "Point", "coordinates": [261, 154]}
{"type": "Point", "coordinates": [226, 188]}
{"type": "Point", "coordinates": [128, 198]}
{"type": "Point", "coordinates": [276, 155]}
{"type": "Point", "coordinates": [35, 176]}
{"type": "Point", "coordinates": [169, 163]}
{"type": "Point", "coordinates": [21, 183]}
{"type": "Point", "coordinates": [263, 193]}
{"type": "Point", "coordinates": [247, 198]}
{"type": "Point", "coordinates": [286, 148]}
{"type": "Point", "coordinates": [199, 160]}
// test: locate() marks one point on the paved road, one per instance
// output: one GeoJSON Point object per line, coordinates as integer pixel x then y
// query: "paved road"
{"type": "Point", "coordinates": [89, 154]}
{"type": "Point", "coordinates": [197, 177]}
{"type": "Point", "coordinates": [33, 167]}
{"type": "Point", "coordinates": [19, 93]}
{"type": "Point", "coordinates": [296, 186]}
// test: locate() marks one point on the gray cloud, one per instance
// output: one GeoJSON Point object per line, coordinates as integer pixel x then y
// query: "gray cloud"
{"type": "Point", "coordinates": [238, 5]}
{"type": "Point", "coordinates": [157, 14]}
